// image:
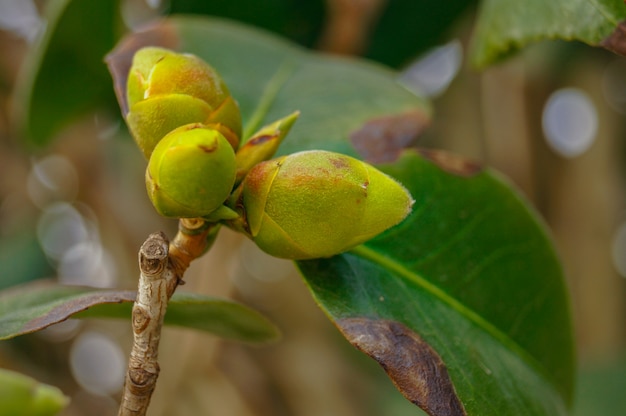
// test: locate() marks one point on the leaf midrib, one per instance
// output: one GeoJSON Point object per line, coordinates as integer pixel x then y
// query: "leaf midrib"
{"type": "Point", "coordinates": [397, 268]}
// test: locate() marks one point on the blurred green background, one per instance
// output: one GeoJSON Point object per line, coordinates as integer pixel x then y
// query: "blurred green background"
{"type": "Point", "coordinates": [551, 118]}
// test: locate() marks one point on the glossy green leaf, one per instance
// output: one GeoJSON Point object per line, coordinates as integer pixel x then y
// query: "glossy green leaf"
{"type": "Point", "coordinates": [21, 395]}
{"type": "Point", "coordinates": [271, 78]}
{"type": "Point", "coordinates": [468, 284]}
{"type": "Point", "coordinates": [65, 76]}
{"type": "Point", "coordinates": [33, 307]}
{"type": "Point", "coordinates": [504, 26]}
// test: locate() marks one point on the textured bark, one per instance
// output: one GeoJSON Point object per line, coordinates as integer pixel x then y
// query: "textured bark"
{"type": "Point", "coordinates": [162, 265]}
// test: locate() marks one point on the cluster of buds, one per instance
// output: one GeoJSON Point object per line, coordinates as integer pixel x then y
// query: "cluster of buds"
{"type": "Point", "coordinates": [305, 205]}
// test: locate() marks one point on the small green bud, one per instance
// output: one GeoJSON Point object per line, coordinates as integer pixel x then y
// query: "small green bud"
{"type": "Point", "coordinates": [263, 144]}
{"type": "Point", "coordinates": [191, 172]}
{"type": "Point", "coordinates": [166, 90]}
{"type": "Point", "coordinates": [318, 204]}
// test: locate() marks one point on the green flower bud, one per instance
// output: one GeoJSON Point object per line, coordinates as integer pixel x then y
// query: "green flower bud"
{"type": "Point", "coordinates": [263, 144]}
{"type": "Point", "coordinates": [318, 204]}
{"type": "Point", "coordinates": [166, 90]}
{"type": "Point", "coordinates": [191, 172]}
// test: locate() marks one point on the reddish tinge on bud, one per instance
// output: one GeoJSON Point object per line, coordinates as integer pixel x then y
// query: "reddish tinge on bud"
{"type": "Point", "coordinates": [318, 204]}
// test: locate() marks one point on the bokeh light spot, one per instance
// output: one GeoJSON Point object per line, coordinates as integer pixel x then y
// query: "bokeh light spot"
{"type": "Point", "coordinates": [432, 73]}
{"type": "Point", "coordinates": [51, 179]}
{"type": "Point", "coordinates": [88, 263]}
{"type": "Point", "coordinates": [20, 17]}
{"type": "Point", "coordinates": [570, 122]}
{"type": "Point", "coordinates": [61, 227]}
{"type": "Point", "coordinates": [97, 363]}
{"type": "Point", "coordinates": [618, 250]}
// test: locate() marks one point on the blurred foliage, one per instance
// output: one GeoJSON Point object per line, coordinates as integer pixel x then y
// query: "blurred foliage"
{"type": "Point", "coordinates": [400, 29]}
{"type": "Point", "coordinates": [22, 260]}
{"type": "Point", "coordinates": [505, 26]}
{"type": "Point", "coordinates": [23, 396]}
{"type": "Point", "coordinates": [407, 28]}
{"type": "Point", "coordinates": [301, 21]}
{"type": "Point", "coordinates": [600, 389]}
{"type": "Point", "coordinates": [65, 77]}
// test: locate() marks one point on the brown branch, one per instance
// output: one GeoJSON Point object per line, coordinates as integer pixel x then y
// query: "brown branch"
{"type": "Point", "coordinates": [162, 265]}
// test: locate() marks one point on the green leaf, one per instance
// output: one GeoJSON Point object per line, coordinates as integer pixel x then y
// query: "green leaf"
{"type": "Point", "coordinates": [23, 396]}
{"type": "Point", "coordinates": [467, 287]}
{"type": "Point", "coordinates": [30, 308]}
{"type": "Point", "coordinates": [504, 26]}
{"type": "Point", "coordinates": [339, 99]}
{"type": "Point", "coordinates": [64, 76]}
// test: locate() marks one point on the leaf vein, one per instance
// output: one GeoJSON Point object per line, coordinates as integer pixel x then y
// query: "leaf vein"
{"type": "Point", "coordinates": [407, 274]}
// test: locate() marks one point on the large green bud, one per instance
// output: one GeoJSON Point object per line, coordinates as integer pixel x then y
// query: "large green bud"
{"type": "Point", "coordinates": [166, 90]}
{"type": "Point", "coordinates": [317, 204]}
{"type": "Point", "coordinates": [191, 172]}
